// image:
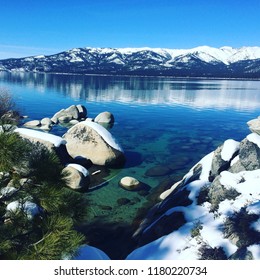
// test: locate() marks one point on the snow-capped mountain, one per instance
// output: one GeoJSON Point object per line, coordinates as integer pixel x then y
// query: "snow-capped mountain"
{"type": "Point", "coordinates": [201, 61]}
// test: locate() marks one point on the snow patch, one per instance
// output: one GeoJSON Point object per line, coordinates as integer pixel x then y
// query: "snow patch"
{"type": "Point", "coordinates": [254, 138]}
{"type": "Point", "coordinates": [55, 140]}
{"type": "Point", "coordinates": [31, 209]}
{"type": "Point", "coordinates": [105, 134]}
{"type": "Point", "coordinates": [80, 168]}
{"type": "Point", "coordinates": [256, 225]}
{"type": "Point", "coordinates": [229, 148]}
{"type": "Point", "coordinates": [255, 250]}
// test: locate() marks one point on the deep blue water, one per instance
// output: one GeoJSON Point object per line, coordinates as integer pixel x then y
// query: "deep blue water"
{"type": "Point", "coordinates": [159, 122]}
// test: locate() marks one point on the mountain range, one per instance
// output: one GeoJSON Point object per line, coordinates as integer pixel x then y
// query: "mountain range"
{"type": "Point", "coordinates": [203, 61]}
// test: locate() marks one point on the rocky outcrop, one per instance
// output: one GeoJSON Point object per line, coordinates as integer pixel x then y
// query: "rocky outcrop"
{"type": "Point", "coordinates": [92, 141]}
{"type": "Point", "coordinates": [213, 212]}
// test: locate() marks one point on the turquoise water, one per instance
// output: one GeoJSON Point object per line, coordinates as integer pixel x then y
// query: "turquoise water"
{"type": "Point", "coordinates": [160, 122]}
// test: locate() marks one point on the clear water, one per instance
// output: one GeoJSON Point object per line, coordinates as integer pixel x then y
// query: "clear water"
{"type": "Point", "coordinates": [159, 122]}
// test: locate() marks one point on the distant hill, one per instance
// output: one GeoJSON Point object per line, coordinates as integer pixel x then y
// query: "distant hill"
{"type": "Point", "coordinates": [204, 61]}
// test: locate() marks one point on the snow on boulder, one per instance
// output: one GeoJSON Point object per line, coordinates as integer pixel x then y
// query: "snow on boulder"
{"type": "Point", "coordinates": [6, 192]}
{"type": "Point", "coordinates": [223, 156]}
{"type": "Point", "coordinates": [29, 208]}
{"type": "Point", "coordinates": [47, 139]}
{"type": "Point", "coordinates": [92, 141]}
{"type": "Point", "coordinates": [254, 138]}
{"type": "Point", "coordinates": [76, 176]}
{"type": "Point", "coordinates": [229, 148]}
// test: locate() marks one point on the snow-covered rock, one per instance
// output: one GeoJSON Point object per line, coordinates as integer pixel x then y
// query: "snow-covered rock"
{"type": "Point", "coordinates": [201, 219]}
{"type": "Point", "coordinates": [31, 209]}
{"type": "Point", "coordinates": [47, 139]}
{"type": "Point", "coordinates": [92, 141]}
{"type": "Point", "coordinates": [77, 177]}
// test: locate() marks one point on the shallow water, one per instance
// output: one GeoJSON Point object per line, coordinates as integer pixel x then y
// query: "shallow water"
{"type": "Point", "coordinates": [160, 122]}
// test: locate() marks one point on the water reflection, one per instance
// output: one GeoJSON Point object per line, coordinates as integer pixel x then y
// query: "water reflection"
{"type": "Point", "coordinates": [197, 93]}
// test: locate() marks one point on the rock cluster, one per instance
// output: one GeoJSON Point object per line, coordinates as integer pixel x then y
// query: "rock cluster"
{"type": "Point", "coordinates": [215, 208]}
{"type": "Point", "coordinates": [70, 116]}
{"type": "Point", "coordinates": [85, 143]}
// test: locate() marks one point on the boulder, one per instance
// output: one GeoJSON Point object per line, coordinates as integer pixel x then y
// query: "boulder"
{"type": "Point", "coordinates": [129, 183]}
{"type": "Point", "coordinates": [82, 111]}
{"type": "Point", "coordinates": [222, 158]}
{"type": "Point", "coordinates": [66, 115]}
{"type": "Point", "coordinates": [254, 125]}
{"type": "Point", "coordinates": [34, 123]}
{"type": "Point", "coordinates": [92, 141]}
{"type": "Point", "coordinates": [72, 111]}
{"type": "Point", "coordinates": [105, 117]}
{"type": "Point", "coordinates": [249, 155]}
{"type": "Point", "coordinates": [50, 141]}
{"type": "Point", "coordinates": [46, 122]}
{"type": "Point", "coordinates": [76, 176]}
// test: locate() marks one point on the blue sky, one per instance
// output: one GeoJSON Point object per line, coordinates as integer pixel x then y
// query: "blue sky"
{"type": "Point", "coordinates": [32, 27]}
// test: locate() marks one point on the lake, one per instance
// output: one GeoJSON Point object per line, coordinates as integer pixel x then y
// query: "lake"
{"type": "Point", "coordinates": [159, 122]}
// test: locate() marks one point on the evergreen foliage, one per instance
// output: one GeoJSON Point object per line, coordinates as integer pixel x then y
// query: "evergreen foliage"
{"type": "Point", "coordinates": [13, 151]}
{"type": "Point", "coordinates": [50, 234]}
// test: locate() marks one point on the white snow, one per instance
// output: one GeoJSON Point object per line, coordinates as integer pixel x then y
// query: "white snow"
{"type": "Point", "coordinates": [255, 250]}
{"type": "Point", "coordinates": [234, 160]}
{"type": "Point", "coordinates": [179, 244]}
{"type": "Point", "coordinates": [31, 209]}
{"type": "Point", "coordinates": [105, 134]}
{"type": "Point", "coordinates": [229, 148]}
{"type": "Point", "coordinates": [206, 166]}
{"type": "Point", "coordinates": [80, 168]}
{"type": "Point", "coordinates": [256, 225]}
{"type": "Point", "coordinates": [254, 208]}
{"type": "Point", "coordinates": [254, 138]}
{"type": "Point", "coordinates": [55, 140]}
{"type": "Point", "coordinates": [208, 54]}
{"type": "Point", "coordinates": [7, 191]}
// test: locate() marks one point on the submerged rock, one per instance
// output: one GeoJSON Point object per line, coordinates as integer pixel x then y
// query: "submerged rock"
{"type": "Point", "coordinates": [158, 170]}
{"type": "Point", "coordinates": [129, 183]}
